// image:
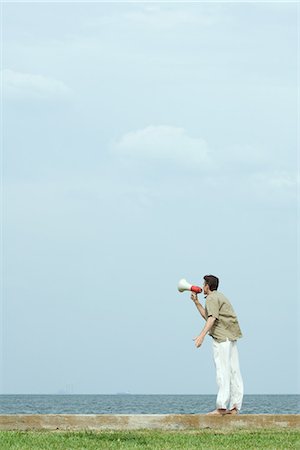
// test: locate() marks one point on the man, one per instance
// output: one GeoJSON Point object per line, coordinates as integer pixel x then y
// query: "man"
{"type": "Point", "coordinates": [222, 324]}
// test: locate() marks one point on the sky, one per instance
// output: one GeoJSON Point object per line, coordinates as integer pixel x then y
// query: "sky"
{"type": "Point", "coordinates": [144, 143]}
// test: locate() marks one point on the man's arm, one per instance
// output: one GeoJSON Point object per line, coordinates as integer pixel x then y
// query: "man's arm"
{"type": "Point", "coordinates": [209, 324]}
{"type": "Point", "coordinates": [198, 305]}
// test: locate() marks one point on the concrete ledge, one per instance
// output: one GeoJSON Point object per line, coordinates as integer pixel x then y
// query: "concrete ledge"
{"type": "Point", "coordinates": [99, 422]}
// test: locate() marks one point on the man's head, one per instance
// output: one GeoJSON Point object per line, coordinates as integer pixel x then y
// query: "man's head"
{"type": "Point", "coordinates": [211, 283]}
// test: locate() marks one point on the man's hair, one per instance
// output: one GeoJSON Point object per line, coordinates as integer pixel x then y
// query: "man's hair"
{"type": "Point", "coordinates": [212, 281]}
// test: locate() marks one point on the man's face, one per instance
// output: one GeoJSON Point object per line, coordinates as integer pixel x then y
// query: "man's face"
{"type": "Point", "coordinates": [205, 288]}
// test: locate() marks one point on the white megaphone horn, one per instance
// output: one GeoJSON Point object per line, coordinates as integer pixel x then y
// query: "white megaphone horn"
{"type": "Point", "coordinates": [183, 285]}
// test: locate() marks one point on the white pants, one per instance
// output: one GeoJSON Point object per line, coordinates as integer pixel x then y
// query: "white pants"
{"type": "Point", "coordinates": [229, 377]}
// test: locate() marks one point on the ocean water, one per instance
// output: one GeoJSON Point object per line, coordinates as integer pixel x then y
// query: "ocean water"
{"type": "Point", "coordinates": [141, 404]}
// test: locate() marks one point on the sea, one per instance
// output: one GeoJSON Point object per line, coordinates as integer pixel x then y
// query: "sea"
{"type": "Point", "coordinates": [141, 404]}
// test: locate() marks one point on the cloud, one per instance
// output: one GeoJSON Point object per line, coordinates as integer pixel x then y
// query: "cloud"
{"type": "Point", "coordinates": [168, 17]}
{"type": "Point", "coordinates": [165, 144]}
{"type": "Point", "coordinates": [273, 187]}
{"type": "Point", "coordinates": [20, 85]}
{"type": "Point", "coordinates": [278, 180]}
{"type": "Point", "coordinates": [159, 17]}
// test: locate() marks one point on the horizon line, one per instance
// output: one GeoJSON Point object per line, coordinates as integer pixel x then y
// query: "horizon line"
{"type": "Point", "coordinates": [130, 393]}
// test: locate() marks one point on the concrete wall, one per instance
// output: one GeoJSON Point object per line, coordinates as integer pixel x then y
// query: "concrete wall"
{"type": "Point", "coordinates": [146, 421]}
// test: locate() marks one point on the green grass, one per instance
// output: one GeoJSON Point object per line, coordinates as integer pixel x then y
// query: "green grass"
{"type": "Point", "coordinates": [146, 439]}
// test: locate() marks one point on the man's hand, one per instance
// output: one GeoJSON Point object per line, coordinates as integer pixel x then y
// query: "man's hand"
{"type": "Point", "coordinates": [194, 297]}
{"type": "Point", "coordinates": [198, 340]}
{"type": "Point", "coordinates": [209, 324]}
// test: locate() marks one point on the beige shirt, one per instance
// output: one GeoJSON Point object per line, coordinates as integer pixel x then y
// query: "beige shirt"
{"type": "Point", "coordinates": [226, 326]}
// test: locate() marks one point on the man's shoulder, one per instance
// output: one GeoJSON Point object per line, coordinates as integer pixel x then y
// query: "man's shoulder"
{"type": "Point", "coordinates": [215, 295]}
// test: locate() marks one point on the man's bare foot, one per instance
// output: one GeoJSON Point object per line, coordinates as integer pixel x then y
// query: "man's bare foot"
{"type": "Point", "coordinates": [233, 411]}
{"type": "Point", "coordinates": [217, 412]}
